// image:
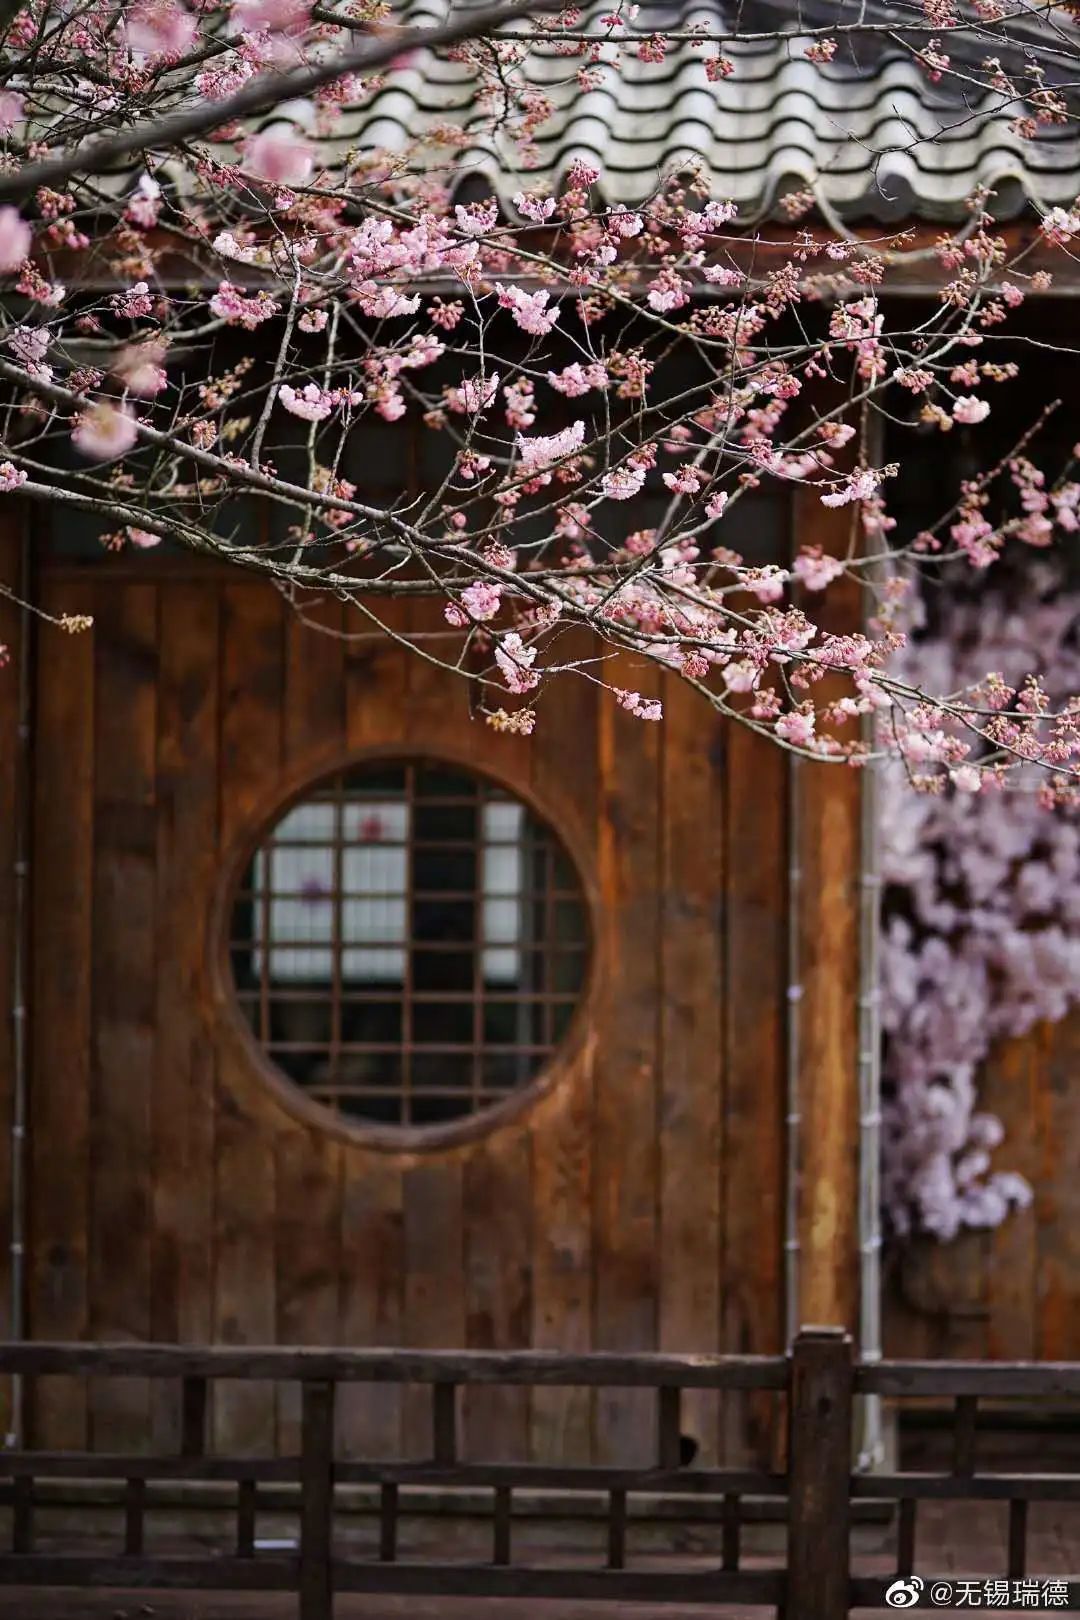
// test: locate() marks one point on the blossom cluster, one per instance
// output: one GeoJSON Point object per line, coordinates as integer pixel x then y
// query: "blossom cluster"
{"type": "Point", "coordinates": [980, 928]}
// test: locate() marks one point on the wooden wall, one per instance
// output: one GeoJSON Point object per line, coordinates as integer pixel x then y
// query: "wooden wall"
{"type": "Point", "coordinates": [1014, 1293]}
{"type": "Point", "coordinates": [635, 1205]}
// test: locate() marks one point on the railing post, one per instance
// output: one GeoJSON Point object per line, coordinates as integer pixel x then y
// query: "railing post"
{"type": "Point", "coordinates": [820, 1389]}
{"type": "Point", "coordinates": [316, 1500]}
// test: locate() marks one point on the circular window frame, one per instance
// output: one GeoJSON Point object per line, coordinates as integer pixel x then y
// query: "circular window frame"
{"type": "Point", "coordinates": [290, 790]}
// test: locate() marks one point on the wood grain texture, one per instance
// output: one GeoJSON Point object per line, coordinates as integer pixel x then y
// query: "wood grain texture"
{"type": "Point", "coordinates": [245, 1282]}
{"type": "Point", "coordinates": [497, 1220]}
{"type": "Point", "coordinates": [691, 1039]}
{"type": "Point", "coordinates": [828, 853]}
{"type": "Point", "coordinates": [182, 1250]}
{"type": "Point", "coordinates": [14, 763]}
{"type": "Point", "coordinates": [372, 1235]}
{"type": "Point", "coordinates": [634, 1204]}
{"type": "Point", "coordinates": [124, 969]}
{"type": "Point", "coordinates": [625, 1254]}
{"type": "Point", "coordinates": [1058, 1194]}
{"type": "Point", "coordinates": [564, 764]}
{"type": "Point", "coordinates": [308, 1163]}
{"type": "Point", "coordinates": [58, 1291]}
{"type": "Point", "coordinates": [755, 941]}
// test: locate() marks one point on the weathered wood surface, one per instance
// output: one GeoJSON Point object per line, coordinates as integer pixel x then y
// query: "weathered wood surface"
{"type": "Point", "coordinates": [1012, 1293]}
{"type": "Point", "coordinates": [634, 1204]}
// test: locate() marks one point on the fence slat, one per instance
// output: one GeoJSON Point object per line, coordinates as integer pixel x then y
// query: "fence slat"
{"type": "Point", "coordinates": [501, 1525]}
{"type": "Point", "coordinates": [905, 1536]}
{"type": "Point", "coordinates": [1018, 1519]}
{"type": "Point", "coordinates": [388, 1519]}
{"type": "Point", "coordinates": [617, 1530]}
{"type": "Point", "coordinates": [193, 1402]}
{"type": "Point", "coordinates": [819, 1468]}
{"type": "Point", "coordinates": [444, 1422]}
{"type": "Point", "coordinates": [732, 1525]}
{"type": "Point", "coordinates": [967, 1415]}
{"type": "Point", "coordinates": [246, 1504]}
{"type": "Point", "coordinates": [22, 1514]}
{"type": "Point", "coordinates": [134, 1517]}
{"type": "Point", "coordinates": [668, 1424]}
{"type": "Point", "coordinates": [317, 1500]}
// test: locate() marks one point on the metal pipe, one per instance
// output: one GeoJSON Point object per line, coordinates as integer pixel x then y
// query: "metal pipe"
{"type": "Point", "coordinates": [871, 1447]}
{"type": "Point", "coordinates": [869, 1420]}
{"type": "Point", "coordinates": [20, 985]}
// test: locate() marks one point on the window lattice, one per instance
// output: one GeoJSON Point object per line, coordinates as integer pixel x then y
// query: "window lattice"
{"type": "Point", "coordinates": [409, 943]}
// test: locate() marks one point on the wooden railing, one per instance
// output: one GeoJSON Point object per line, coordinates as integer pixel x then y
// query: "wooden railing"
{"type": "Point", "coordinates": [819, 1382]}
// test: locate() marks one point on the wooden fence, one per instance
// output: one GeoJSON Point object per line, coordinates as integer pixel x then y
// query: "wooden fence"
{"type": "Point", "coordinates": [819, 1383]}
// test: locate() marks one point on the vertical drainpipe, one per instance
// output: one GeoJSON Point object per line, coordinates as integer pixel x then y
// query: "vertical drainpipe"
{"type": "Point", "coordinates": [871, 1445]}
{"type": "Point", "coordinates": [870, 1433]}
{"type": "Point", "coordinates": [792, 1116]}
{"type": "Point", "coordinates": [20, 981]}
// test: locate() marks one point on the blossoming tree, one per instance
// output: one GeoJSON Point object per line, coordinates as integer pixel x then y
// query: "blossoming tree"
{"type": "Point", "coordinates": [228, 316]}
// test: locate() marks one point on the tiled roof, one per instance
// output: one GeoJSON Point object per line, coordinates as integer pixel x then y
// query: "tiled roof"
{"type": "Point", "coordinates": [874, 141]}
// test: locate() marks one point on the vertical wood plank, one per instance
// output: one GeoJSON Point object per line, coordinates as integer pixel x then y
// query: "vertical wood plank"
{"type": "Point", "coordinates": [372, 1235]}
{"type": "Point", "coordinates": [1010, 1083]}
{"type": "Point", "coordinates": [244, 1282]}
{"type": "Point", "coordinates": [691, 1041]}
{"type": "Point", "coordinates": [187, 862]}
{"type": "Point", "coordinates": [626, 1255]}
{"type": "Point", "coordinates": [434, 1300]}
{"type": "Point", "coordinates": [317, 1501]}
{"type": "Point", "coordinates": [828, 1047]}
{"type": "Point", "coordinates": [433, 1189]}
{"type": "Point", "coordinates": [819, 1451]}
{"type": "Point", "coordinates": [60, 1094]}
{"type": "Point", "coordinates": [14, 759]}
{"type": "Point", "coordinates": [1058, 1195]}
{"type": "Point", "coordinates": [565, 768]}
{"type": "Point", "coordinates": [829, 856]}
{"type": "Point", "coordinates": [497, 1198]}
{"type": "Point", "coordinates": [124, 990]}
{"type": "Point", "coordinates": [372, 1271]}
{"type": "Point", "coordinates": [307, 1172]}
{"type": "Point", "coordinates": [756, 979]}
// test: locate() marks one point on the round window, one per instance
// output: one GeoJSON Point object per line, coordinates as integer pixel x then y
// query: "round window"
{"type": "Point", "coordinates": [409, 943]}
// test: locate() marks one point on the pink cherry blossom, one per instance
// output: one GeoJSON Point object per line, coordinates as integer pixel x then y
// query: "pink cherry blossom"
{"type": "Point", "coordinates": [796, 728]}
{"type": "Point", "coordinates": [139, 369]}
{"type": "Point", "coordinates": [815, 570]}
{"type": "Point", "coordinates": [622, 483]}
{"type": "Point", "coordinates": [231, 305]}
{"type": "Point", "coordinates": [15, 240]}
{"type": "Point", "coordinates": [134, 302]}
{"type": "Point", "coordinates": [144, 204]}
{"type": "Point", "coordinates": [10, 477]}
{"type": "Point", "coordinates": [29, 345]}
{"type": "Point", "coordinates": [544, 449]}
{"type": "Point", "coordinates": [529, 310]}
{"type": "Point", "coordinates": [538, 209]}
{"type": "Point", "coordinates": [515, 662]}
{"type": "Point", "coordinates": [105, 432]}
{"type": "Point", "coordinates": [643, 708]}
{"type": "Point", "coordinates": [271, 16]}
{"type": "Point", "coordinates": [971, 409]}
{"type": "Point", "coordinates": [279, 155]}
{"type": "Point", "coordinates": [576, 379]}
{"type": "Point", "coordinates": [12, 110]}
{"type": "Point", "coordinates": [160, 28]}
{"type": "Point", "coordinates": [482, 599]}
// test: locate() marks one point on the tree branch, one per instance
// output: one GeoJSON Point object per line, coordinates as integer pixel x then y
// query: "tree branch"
{"type": "Point", "coordinates": [93, 157]}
